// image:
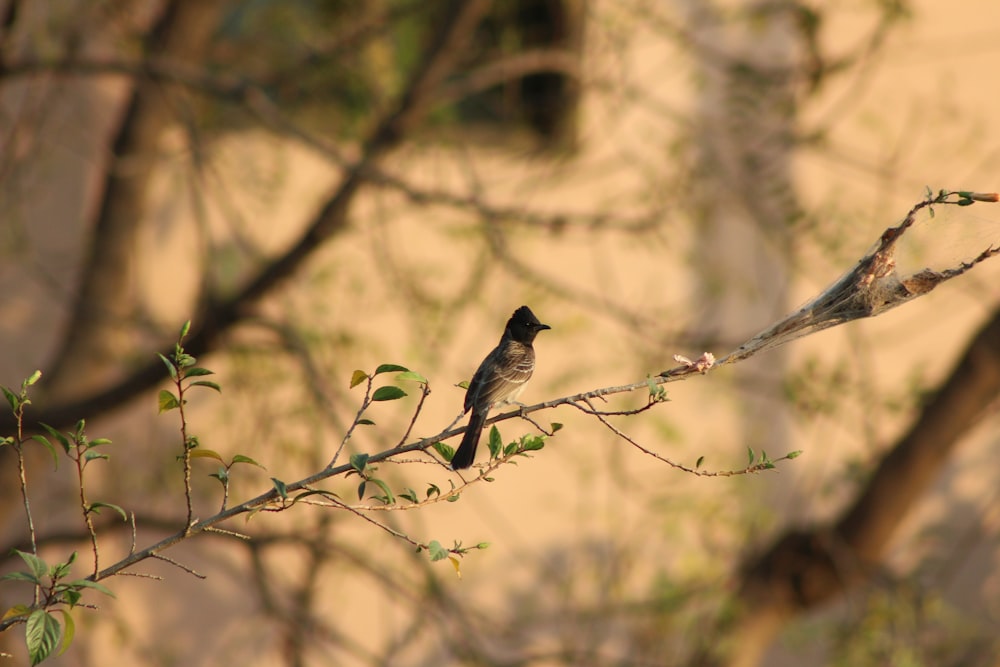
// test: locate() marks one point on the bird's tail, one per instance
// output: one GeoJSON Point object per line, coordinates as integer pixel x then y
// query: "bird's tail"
{"type": "Point", "coordinates": [466, 452]}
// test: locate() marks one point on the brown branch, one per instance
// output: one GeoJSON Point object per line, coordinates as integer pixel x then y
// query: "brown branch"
{"type": "Point", "coordinates": [218, 317]}
{"type": "Point", "coordinates": [95, 338]}
{"type": "Point", "coordinates": [805, 568]}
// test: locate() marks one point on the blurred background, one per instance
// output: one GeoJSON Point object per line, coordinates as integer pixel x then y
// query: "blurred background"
{"type": "Point", "coordinates": [326, 185]}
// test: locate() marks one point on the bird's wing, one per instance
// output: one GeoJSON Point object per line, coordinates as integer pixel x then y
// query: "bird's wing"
{"type": "Point", "coordinates": [501, 375]}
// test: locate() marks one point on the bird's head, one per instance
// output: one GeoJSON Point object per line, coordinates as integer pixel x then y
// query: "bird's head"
{"type": "Point", "coordinates": [523, 326]}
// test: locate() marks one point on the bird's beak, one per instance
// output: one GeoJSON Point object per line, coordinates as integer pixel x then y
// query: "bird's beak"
{"type": "Point", "coordinates": [541, 326]}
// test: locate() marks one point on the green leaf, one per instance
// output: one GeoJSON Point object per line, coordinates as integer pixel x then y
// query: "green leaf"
{"type": "Point", "coordinates": [280, 487]}
{"type": "Point", "coordinates": [359, 461]}
{"type": "Point", "coordinates": [436, 551]}
{"type": "Point", "coordinates": [21, 576]}
{"type": "Point", "coordinates": [91, 455]}
{"type": "Point", "coordinates": [446, 451]}
{"type": "Point", "coordinates": [97, 442]}
{"type": "Point", "coordinates": [221, 474]}
{"type": "Point", "coordinates": [556, 427]}
{"type": "Point", "coordinates": [240, 458]}
{"type": "Point", "coordinates": [495, 442]}
{"type": "Point", "coordinates": [412, 375]}
{"type": "Point", "coordinates": [57, 435]}
{"type": "Point", "coordinates": [12, 398]}
{"type": "Point", "coordinates": [70, 596]}
{"type": "Point", "coordinates": [357, 378]}
{"type": "Point", "coordinates": [794, 455]}
{"type": "Point", "coordinates": [388, 394]}
{"type": "Point", "coordinates": [87, 583]}
{"type": "Point", "coordinates": [433, 490]}
{"type": "Point", "coordinates": [697, 464]}
{"type": "Point", "coordinates": [410, 495]}
{"type": "Point", "coordinates": [750, 456]}
{"type": "Point", "coordinates": [532, 444]}
{"type": "Point", "coordinates": [170, 366]}
{"type": "Point", "coordinates": [390, 499]}
{"type": "Point", "coordinates": [36, 565]}
{"type": "Point", "coordinates": [32, 379]}
{"type": "Point", "coordinates": [185, 328]}
{"type": "Point", "coordinates": [41, 635]}
{"type": "Point", "coordinates": [38, 437]}
{"type": "Point", "coordinates": [365, 422]}
{"type": "Point", "coordinates": [167, 401]}
{"type": "Point", "coordinates": [15, 611]}
{"type": "Point", "coordinates": [69, 630]}
{"type": "Point", "coordinates": [390, 368]}
{"type": "Point", "coordinates": [60, 570]}
{"type": "Point", "coordinates": [96, 508]}
{"type": "Point", "coordinates": [206, 383]}
{"type": "Point", "coordinates": [207, 454]}
{"type": "Point", "coordinates": [361, 489]}
{"type": "Point", "coordinates": [196, 371]}
{"type": "Point", "coordinates": [464, 384]}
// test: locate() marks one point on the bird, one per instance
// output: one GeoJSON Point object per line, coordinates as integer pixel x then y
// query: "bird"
{"type": "Point", "coordinates": [499, 380]}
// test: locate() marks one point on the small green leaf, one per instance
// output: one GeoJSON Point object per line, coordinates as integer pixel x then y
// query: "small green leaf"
{"type": "Point", "coordinates": [433, 490]}
{"type": "Point", "coordinates": [359, 461]}
{"type": "Point", "coordinates": [70, 596]}
{"type": "Point", "coordinates": [410, 495]}
{"type": "Point", "coordinates": [750, 456]}
{"type": "Point", "coordinates": [20, 576]}
{"type": "Point", "coordinates": [185, 328]}
{"type": "Point", "coordinates": [87, 583]}
{"type": "Point", "coordinates": [96, 508]}
{"type": "Point", "coordinates": [12, 398]}
{"type": "Point", "coordinates": [357, 378]}
{"type": "Point", "coordinates": [532, 444]}
{"type": "Point", "coordinates": [436, 551]}
{"type": "Point", "coordinates": [464, 384]}
{"type": "Point", "coordinates": [38, 437]}
{"type": "Point", "coordinates": [69, 630]}
{"type": "Point", "coordinates": [495, 442]}
{"type": "Point", "coordinates": [221, 474]}
{"type": "Point", "coordinates": [390, 368]}
{"type": "Point", "coordinates": [207, 454]}
{"type": "Point", "coordinates": [280, 487]}
{"type": "Point", "coordinates": [207, 383]}
{"type": "Point", "coordinates": [32, 379]}
{"type": "Point", "coordinates": [97, 442]}
{"type": "Point", "coordinates": [240, 458]}
{"type": "Point", "coordinates": [167, 401]}
{"type": "Point", "coordinates": [41, 635]}
{"type": "Point", "coordinates": [389, 393]}
{"type": "Point", "coordinates": [794, 455]}
{"type": "Point", "coordinates": [390, 499]}
{"type": "Point", "coordinates": [556, 427]}
{"type": "Point", "coordinates": [447, 452]}
{"type": "Point", "coordinates": [361, 489]}
{"type": "Point", "coordinates": [197, 371]}
{"type": "Point", "coordinates": [57, 435]}
{"type": "Point", "coordinates": [170, 366]}
{"type": "Point", "coordinates": [413, 376]}
{"type": "Point", "coordinates": [697, 464]}
{"type": "Point", "coordinates": [92, 455]}
{"type": "Point", "coordinates": [37, 566]}
{"type": "Point", "coordinates": [365, 422]}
